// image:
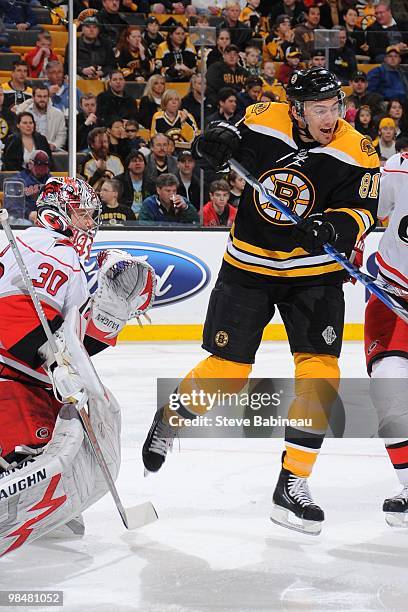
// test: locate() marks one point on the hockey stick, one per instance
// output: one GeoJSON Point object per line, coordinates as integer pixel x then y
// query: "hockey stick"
{"type": "Point", "coordinates": [381, 289]}
{"type": "Point", "coordinates": [134, 517]}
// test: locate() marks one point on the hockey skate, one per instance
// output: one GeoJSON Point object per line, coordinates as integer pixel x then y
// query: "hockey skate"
{"type": "Point", "coordinates": [294, 507]}
{"type": "Point", "coordinates": [396, 509]}
{"type": "Point", "coordinates": [158, 442]}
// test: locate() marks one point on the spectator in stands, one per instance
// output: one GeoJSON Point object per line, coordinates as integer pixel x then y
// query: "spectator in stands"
{"type": "Point", "coordinates": [342, 61]}
{"type": "Point", "coordinates": [176, 57]}
{"type": "Point", "coordinates": [401, 144]}
{"type": "Point", "coordinates": [7, 118]}
{"type": "Point", "coordinates": [132, 134]}
{"type": "Point", "coordinates": [304, 33]}
{"type": "Point", "coordinates": [385, 32]}
{"type": "Point", "coordinates": [100, 164]}
{"type": "Point", "coordinates": [240, 33]}
{"type": "Point", "coordinates": [40, 55]}
{"type": "Point", "coordinates": [227, 73]}
{"type": "Point", "coordinates": [86, 120]}
{"type": "Point", "coordinates": [112, 23]}
{"type": "Point", "coordinates": [389, 80]}
{"type": "Point", "coordinates": [355, 34]}
{"type": "Point", "coordinates": [50, 121]}
{"type": "Point", "coordinates": [227, 107]}
{"type": "Point", "coordinates": [150, 102]}
{"type": "Point", "coordinates": [19, 146]}
{"type": "Point", "coordinates": [385, 144]}
{"type": "Point", "coordinates": [114, 101]}
{"type": "Point", "coordinates": [192, 101]}
{"type": "Point", "coordinates": [292, 8]}
{"type": "Point", "coordinates": [396, 111]}
{"type": "Point", "coordinates": [251, 95]}
{"type": "Point", "coordinates": [293, 56]}
{"type": "Point", "coordinates": [178, 124]}
{"type": "Point", "coordinates": [159, 161]}
{"type": "Point", "coordinates": [17, 90]}
{"type": "Point", "coordinates": [114, 212]}
{"type": "Point", "coordinates": [151, 35]}
{"type": "Point", "coordinates": [189, 185]}
{"type": "Point", "coordinates": [34, 176]}
{"type": "Point", "coordinates": [17, 15]}
{"type": "Point", "coordinates": [167, 206]}
{"type": "Point", "coordinates": [133, 181]}
{"type": "Point", "coordinates": [167, 6]}
{"type": "Point", "coordinates": [237, 186]}
{"type": "Point", "coordinates": [253, 60]}
{"type": "Point", "coordinates": [217, 53]}
{"type": "Point", "coordinates": [218, 212]}
{"type": "Point", "coordinates": [59, 88]}
{"type": "Point", "coordinates": [317, 59]}
{"type": "Point", "coordinates": [95, 58]}
{"type": "Point", "coordinates": [270, 83]}
{"type": "Point", "coordinates": [250, 16]}
{"type": "Point", "coordinates": [360, 96]}
{"type": "Point", "coordinates": [364, 122]}
{"type": "Point", "coordinates": [276, 42]}
{"type": "Point", "coordinates": [133, 55]}
{"type": "Point", "coordinates": [119, 144]}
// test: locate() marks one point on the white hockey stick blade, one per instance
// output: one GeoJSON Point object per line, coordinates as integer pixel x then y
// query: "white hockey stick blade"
{"type": "Point", "coordinates": [141, 515]}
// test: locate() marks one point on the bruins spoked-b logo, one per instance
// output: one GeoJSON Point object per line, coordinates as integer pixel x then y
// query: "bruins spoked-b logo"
{"type": "Point", "coordinates": [221, 338]}
{"type": "Point", "coordinates": [292, 188]}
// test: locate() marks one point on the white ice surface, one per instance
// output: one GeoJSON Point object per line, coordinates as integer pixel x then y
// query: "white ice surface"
{"type": "Point", "coordinates": [214, 548]}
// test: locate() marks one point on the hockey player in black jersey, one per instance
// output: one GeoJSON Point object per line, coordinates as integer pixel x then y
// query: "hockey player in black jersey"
{"type": "Point", "coordinates": [328, 173]}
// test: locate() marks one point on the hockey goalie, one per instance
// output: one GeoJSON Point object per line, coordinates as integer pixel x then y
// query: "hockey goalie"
{"type": "Point", "coordinates": [48, 472]}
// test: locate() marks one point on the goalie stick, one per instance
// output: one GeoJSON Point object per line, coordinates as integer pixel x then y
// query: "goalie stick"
{"type": "Point", "coordinates": [133, 517]}
{"type": "Point", "coordinates": [380, 288]}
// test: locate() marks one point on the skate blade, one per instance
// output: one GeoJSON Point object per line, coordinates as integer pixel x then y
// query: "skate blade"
{"type": "Point", "coordinates": [397, 519]}
{"type": "Point", "coordinates": [280, 516]}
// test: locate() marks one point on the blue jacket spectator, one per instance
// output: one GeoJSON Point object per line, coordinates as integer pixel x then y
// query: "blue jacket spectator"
{"type": "Point", "coordinates": [389, 80]}
{"type": "Point", "coordinates": [14, 13]}
{"type": "Point", "coordinates": [167, 207]}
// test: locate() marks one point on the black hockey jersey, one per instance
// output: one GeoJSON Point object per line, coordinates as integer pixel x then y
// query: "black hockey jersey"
{"type": "Point", "coordinates": [340, 179]}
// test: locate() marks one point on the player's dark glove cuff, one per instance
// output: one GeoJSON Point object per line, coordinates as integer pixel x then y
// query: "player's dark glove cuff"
{"type": "Point", "coordinates": [312, 233]}
{"type": "Point", "coordinates": [218, 144]}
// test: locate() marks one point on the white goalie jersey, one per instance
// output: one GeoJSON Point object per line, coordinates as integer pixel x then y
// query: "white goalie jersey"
{"type": "Point", "coordinates": [392, 254]}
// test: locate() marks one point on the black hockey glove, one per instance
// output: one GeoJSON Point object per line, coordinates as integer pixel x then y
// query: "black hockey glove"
{"type": "Point", "coordinates": [218, 144]}
{"type": "Point", "coordinates": [312, 233]}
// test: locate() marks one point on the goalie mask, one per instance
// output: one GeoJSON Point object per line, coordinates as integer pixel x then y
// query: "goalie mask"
{"type": "Point", "coordinates": [69, 206]}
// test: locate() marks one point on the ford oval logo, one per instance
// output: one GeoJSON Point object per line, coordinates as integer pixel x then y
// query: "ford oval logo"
{"type": "Point", "coordinates": [180, 275]}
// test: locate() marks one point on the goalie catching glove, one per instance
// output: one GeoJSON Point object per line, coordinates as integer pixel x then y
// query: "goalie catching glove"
{"type": "Point", "coordinates": [126, 288]}
{"type": "Point", "coordinates": [218, 144]}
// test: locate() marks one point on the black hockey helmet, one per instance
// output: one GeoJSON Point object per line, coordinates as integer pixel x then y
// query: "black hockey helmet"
{"type": "Point", "coordinates": [313, 84]}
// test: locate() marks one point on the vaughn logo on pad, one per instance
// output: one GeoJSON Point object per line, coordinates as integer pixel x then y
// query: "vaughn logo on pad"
{"type": "Point", "coordinates": [180, 274]}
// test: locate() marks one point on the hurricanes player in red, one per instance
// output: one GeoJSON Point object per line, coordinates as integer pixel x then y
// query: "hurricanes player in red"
{"type": "Point", "coordinates": [44, 453]}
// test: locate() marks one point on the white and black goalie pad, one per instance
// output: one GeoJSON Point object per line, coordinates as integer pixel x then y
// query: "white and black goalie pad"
{"type": "Point", "coordinates": [126, 289]}
{"type": "Point", "coordinates": [49, 490]}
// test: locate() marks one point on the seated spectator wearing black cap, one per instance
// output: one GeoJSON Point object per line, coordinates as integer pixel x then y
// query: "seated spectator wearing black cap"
{"type": "Point", "coordinates": [114, 101]}
{"type": "Point", "coordinates": [189, 185]}
{"type": "Point", "coordinates": [227, 73]}
{"type": "Point", "coordinates": [167, 206]}
{"type": "Point", "coordinates": [318, 59]}
{"type": "Point", "coordinates": [227, 107]}
{"type": "Point", "coordinates": [389, 80]}
{"type": "Point", "coordinates": [95, 58]}
{"type": "Point", "coordinates": [276, 42]}
{"type": "Point", "coordinates": [34, 176]}
{"type": "Point", "coordinates": [133, 182]}
{"type": "Point", "coordinates": [251, 95]}
{"type": "Point", "coordinates": [360, 96]}
{"type": "Point", "coordinates": [113, 211]}
{"type": "Point", "coordinates": [151, 35]}
{"type": "Point", "coordinates": [290, 65]}
{"type": "Point", "coordinates": [342, 61]}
